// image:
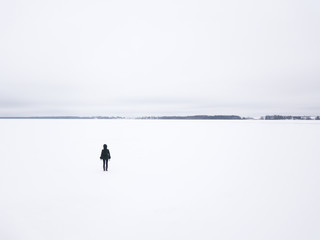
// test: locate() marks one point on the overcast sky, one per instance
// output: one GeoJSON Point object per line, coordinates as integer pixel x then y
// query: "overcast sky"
{"type": "Point", "coordinates": [168, 57]}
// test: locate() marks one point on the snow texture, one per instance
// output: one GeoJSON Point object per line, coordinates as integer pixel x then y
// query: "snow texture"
{"type": "Point", "coordinates": [167, 179]}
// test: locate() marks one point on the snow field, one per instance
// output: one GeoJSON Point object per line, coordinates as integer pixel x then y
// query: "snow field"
{"type": "Point", "coordinates": [166, 180]}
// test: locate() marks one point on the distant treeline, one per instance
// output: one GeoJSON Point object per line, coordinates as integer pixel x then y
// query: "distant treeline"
{"type": "Point", "coordinates": [194, 117]}
{"type": "Point", "coordinates": [280, 117]}
{"type": "Point", "coordinates": [197, 117]}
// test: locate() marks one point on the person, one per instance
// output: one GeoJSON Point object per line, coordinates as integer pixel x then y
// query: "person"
{"type": "Point", "coordinates": [105, 156]}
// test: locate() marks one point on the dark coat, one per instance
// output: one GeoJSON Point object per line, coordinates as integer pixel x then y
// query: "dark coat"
{"type": "Point", "coordinates": [105, 154]}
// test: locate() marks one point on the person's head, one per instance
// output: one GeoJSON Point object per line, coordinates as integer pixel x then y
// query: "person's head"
{"type": "Point", "coordinates": [105, 146]}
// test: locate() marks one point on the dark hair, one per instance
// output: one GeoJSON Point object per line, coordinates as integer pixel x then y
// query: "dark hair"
{"type": "Point", "coordinates": [105, 145]}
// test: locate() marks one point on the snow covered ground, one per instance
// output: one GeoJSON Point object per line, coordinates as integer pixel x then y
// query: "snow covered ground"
{"type": "Point", "coordinates": [167, 180]}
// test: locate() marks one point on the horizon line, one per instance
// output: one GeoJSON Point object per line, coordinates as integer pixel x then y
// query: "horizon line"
{"type": "Point", "coordinates": [198, 116]}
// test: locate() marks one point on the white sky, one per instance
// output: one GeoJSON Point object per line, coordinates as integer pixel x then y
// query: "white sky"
{"type": "Point", "coordinates": [131, 58]}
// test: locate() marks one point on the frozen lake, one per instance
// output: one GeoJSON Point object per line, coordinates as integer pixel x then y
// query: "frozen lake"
{"type": "Point", "coordinates": [225, 180]}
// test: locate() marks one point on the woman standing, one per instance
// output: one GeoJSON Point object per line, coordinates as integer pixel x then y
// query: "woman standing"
{"type": "Point", "coordinates": [105, 156]}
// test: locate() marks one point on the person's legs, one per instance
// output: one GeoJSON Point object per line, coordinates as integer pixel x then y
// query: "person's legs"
{"type": "Point", "coordinates": [104, 164]}
{"type": "Point", "coordinates": [107, 165]}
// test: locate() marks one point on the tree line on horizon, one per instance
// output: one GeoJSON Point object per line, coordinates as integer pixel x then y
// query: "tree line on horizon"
{"type": "Point", "coordinates": [192, 117]}
{"type": "Point", "coordinates": [280, 117]}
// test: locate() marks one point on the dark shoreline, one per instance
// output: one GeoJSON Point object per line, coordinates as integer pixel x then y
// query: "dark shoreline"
{"type": "Point", "coordinates": [193, 117]}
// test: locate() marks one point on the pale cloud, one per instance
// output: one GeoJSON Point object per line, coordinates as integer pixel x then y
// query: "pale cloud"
{"type": "Point", "coordinates": [159, 57]}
